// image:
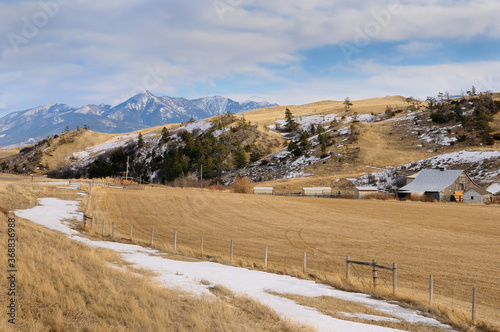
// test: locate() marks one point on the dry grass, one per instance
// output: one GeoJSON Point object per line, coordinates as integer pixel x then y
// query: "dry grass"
{"type": "Point", "coordinates": [7, 153]}
{"type": "Point", "coordinates": [458, 244]}
{"type": "Point", "coordinates": [66, 286]}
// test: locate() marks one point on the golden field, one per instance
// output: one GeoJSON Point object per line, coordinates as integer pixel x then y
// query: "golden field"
{"type": "Point", "coordinates": [66, 286]}
{"type": "Point", "coordinates": [458, 244]}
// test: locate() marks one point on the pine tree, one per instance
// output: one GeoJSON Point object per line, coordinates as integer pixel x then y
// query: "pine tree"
{"type": "Point", "coordinates": [140, 141]}
{"type": "Point", "coordinates": [290, 124]}
{"type": "Point", "coordinates": [165, 135]}
{"type": "Point", "coordinates": [240, 158]}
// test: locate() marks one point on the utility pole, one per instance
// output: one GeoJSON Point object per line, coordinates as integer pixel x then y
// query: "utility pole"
{"type": "Point", "coordinates": [126, 174]}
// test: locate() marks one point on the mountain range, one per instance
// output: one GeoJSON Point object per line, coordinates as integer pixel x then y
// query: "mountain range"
{"type": "Point", "coordinates": [144, 110]}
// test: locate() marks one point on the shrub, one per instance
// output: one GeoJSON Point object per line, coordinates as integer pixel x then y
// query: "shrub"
{"type": "Point", "coordinates": [241, 185]}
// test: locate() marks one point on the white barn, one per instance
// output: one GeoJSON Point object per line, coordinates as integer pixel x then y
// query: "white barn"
{"type": "Point", "coordinates": [263, 190]}
{"type": "Point", "coordinates": [316, 191]}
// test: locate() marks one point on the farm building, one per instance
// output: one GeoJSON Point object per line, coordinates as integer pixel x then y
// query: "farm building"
{"type": "Point", "coordinates": [263, 190]}
{"type": "Point", "coordinates": [477, 196]}
{"type": "Point", "coordinates": [317, 191]}
{"type": "Point", "coordinates": [365, 192]}
{"type": "Point", "coordinates": [438, 184]}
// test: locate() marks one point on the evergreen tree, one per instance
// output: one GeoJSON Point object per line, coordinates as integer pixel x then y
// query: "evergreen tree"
{"type": "Point", "coordinates": [165, 135]}
{"type": "Point", "coordinates": [140, 141]}
{"type": "Point", "coordinates": [290, 124]}
{"type": "Point", "coordinates": [240, 158]}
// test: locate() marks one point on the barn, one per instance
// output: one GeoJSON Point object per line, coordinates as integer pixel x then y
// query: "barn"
{"type": "Point", "coordinates": [263, 190]}
{"type": "Point", "coordinates": [438, 184]}
{"type": "Point", "coordinates": [477, 196]}
{"type": "Point", "coordinates": [316, 191]}
{"type": "Point", "coordinates": [365, 192]}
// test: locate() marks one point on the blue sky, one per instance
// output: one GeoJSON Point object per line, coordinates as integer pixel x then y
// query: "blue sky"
{"type": "Point", "coordinates": [290, 52]}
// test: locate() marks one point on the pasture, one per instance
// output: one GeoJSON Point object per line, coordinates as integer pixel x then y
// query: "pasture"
{"type": "Point", "coordinates": [458, 244]}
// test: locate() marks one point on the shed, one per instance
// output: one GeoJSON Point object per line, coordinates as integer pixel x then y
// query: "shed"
{"type": "Point", "coordinates": [479, 195]}
{"type": "Point", "coordinates": [365, 192]}
{"type": "Point", "coordinates": [263, 190]}
{"type": "Point", "coordinates": [316, 191]}
{"type": "Point", "coordinates": [438, 184]}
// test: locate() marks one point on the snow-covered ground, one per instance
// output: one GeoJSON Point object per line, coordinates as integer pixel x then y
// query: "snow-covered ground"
{"type": "Point", "coordinates": [197, 277]}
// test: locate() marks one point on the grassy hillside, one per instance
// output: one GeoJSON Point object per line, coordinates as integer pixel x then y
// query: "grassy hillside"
{"type": "Point", "coordinates": [458, 244]}
{"type": "Point", "coordinates": [370, 135]}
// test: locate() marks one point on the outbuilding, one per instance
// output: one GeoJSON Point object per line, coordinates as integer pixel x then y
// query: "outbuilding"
{"type": "Point", "coordinates": [365, 192]}
{"type": "Point", "coordinates": [316, 191]}
{"type": "Point", "coordinates": [477, 195]}
{"type": "Point", "coordinates": [263, 190]}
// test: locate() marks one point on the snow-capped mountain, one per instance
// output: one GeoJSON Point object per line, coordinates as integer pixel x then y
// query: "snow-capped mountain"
{"type": "Point", "coordinates": [141, 111]}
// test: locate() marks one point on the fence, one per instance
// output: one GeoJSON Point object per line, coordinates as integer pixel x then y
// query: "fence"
{"type": "Point", "coordinates": [307, 263]}
{"type": "Point", "coordinates": [375, 268]}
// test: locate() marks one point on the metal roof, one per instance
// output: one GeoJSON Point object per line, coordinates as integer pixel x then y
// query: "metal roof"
{"type": "Point", "coordinates": [432, 180]}
{"type": "Point", "coordinates": [367, 188]}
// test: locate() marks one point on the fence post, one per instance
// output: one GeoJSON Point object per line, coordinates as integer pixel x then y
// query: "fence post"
{"type": "Point", "coordinates": [265, 257]}
{"type": "Point", "coordinates": [347, 271]}
{"type": "Point", "coordinates": [92, 222]}
{"type": "Point", "coordinates": [175, 241]}
{"type": "Point", "coordinates": [103, 222]}
{"type": "Point", "coordinates": [394, 277]}
{"type": "Point", "coordinates": [113, 231]}
{"type": "Point", "coordinates": [202, 245]}
{"type": "Point", "coordinates": [231, 250]}
{"type": "Point", "coordinates": [305, 263]}
{"type": "Point", "coordinates": [473, 304]}
{"type": "Point", "coordinates": [375, 276]}
{"type": "Point", "coordinates": [431, 290]}
{"type": "Point", "coordinates": [152, 235]}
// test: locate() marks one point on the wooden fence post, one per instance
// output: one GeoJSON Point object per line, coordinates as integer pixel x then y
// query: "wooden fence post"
{"type": "Point", "coordinates": [265, 257]}
{"type": "Point", "coordinates": [92, 222]}
{"type": "Point", "coordinates": [131, 229]}
{"type": "Point", "coordinates": [113, 231]}
{"type": "Point", "coordinates": [375, 276]}
{"type": "Point", "coordinates": [103, 222]}
{"type": "Point", "coordinates": [202, 245]}
{"type": "Point", "coordinates": [347, 271]}
{"type": "Point", "coordinates": [473, 304]}
{"type": "Point", "coordinates": [175, 241]}
{"type": "Point", "coordinates": [394, 277]}
{"type": "Point", "coordinates": [431, 290]}
{"type": "Point", "coordinates": [152, 235]}
{"type": "Point", "coordinates": [231, 250]}
{"type": "Point", "coordinates": [304, 267]}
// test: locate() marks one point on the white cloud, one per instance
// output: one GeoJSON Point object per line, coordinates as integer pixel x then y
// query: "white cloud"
{"type": "Point", "coordinates": [99, 51]}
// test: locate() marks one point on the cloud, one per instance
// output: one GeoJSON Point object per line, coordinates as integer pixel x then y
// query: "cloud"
{"type": "Point", "coordinates": [100, 51]}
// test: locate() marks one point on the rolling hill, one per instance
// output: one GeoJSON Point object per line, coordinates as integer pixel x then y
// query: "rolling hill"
{"type": "Point", "coordinates": [389, 135]}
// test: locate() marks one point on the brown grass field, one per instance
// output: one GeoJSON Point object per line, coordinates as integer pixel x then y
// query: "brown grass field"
{"type": "Point", "coordinates": [62, 285]}
{"type": "Point", "coordinates": [458, 244]}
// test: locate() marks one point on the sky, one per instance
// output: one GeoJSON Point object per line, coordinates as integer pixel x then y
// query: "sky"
{"type": "Point", "coordinates": [80, 52]}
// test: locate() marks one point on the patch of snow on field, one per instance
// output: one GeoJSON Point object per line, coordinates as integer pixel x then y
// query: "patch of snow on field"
{"type": "Point", "coordinates": [370, 317]}
{"type": "Point", "coordinates": [113, 143]}
{"type": "Point", "coordinates": [197, 126]}
{"type": "Point", "coordinates": [53, 212]}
